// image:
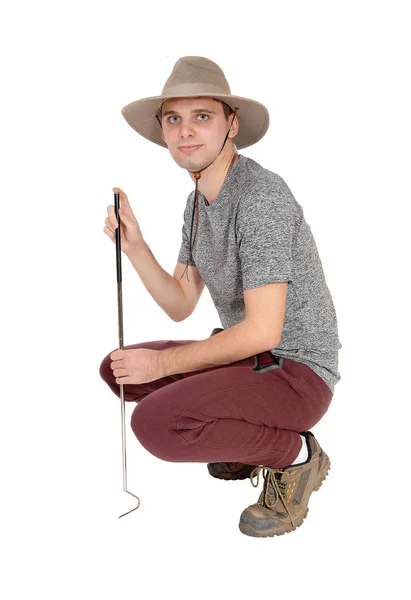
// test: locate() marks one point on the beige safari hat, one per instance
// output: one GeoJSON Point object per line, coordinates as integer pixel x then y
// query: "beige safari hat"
{"type": "Point", "coordinates": [194, 76]}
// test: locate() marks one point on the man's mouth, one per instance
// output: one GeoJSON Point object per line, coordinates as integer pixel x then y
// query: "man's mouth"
{"type": "Point", "coordinates": [189, 147]}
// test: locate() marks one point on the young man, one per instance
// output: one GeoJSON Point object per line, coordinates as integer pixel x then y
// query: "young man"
{"type": "Point", "coordinates": [242, 400]}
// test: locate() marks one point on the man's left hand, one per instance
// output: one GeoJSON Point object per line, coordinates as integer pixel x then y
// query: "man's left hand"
{"type": "Point", "coordinates": [139, 365]}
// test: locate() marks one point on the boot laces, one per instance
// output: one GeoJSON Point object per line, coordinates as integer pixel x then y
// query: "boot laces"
{"type": "Point", "coordinates": [274, 488]}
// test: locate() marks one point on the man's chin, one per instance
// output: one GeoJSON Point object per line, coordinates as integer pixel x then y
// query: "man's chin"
{"type": "Point", "coordinates": [192, 163]}
{"type": "Point", "coordinates": [189, 163]}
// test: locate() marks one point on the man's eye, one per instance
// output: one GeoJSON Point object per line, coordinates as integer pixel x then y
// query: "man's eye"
{"type": "Point", "coordinates": [206, 117]}
{"type": "Point", "coordinates": [173, 117]}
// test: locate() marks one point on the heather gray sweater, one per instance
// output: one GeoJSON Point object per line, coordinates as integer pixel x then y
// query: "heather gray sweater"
{"type": "Point", "coordinates": [253, 234]}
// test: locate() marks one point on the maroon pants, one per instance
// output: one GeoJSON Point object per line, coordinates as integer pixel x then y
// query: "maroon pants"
{"type": "Point", "coordinates": [249, 411]}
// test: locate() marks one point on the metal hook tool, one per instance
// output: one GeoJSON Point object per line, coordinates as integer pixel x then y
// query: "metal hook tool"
{"type": "Point", "coordinates": [120, 345]}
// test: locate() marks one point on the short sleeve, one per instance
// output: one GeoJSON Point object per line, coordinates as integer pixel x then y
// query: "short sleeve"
{"type": "Point", "coordinates": [184, 253]}
{"type": "Point", "coordinates": [265, 229]}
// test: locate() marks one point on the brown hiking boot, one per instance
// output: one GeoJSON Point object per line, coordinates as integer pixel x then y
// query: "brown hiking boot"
{"type": "Point", "coordinates": [283, 503]}
{"type": "Point", "coordinates": [230, 470]}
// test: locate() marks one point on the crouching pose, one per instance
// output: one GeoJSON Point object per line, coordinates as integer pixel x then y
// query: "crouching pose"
{"type": "Point", "coordinates": [244, 399]}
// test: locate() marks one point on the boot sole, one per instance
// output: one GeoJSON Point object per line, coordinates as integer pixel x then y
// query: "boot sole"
{"type": "Point", "coordinates": [229, 477]}
{"type": "Point", "coordinates": [232, 476]}
{"type": "Point", "coordinates": [322, 475]}
{"type": "Point", "coordinates": [248, 529]}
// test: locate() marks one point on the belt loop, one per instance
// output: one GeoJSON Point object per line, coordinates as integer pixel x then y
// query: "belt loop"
{"type": "Point", "coordinates": [275, 359]}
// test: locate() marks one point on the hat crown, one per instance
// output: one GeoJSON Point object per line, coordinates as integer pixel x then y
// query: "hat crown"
{"type": "Point", "coordinates": [195, 75]}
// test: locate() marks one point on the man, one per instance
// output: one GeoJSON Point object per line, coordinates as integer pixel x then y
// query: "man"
{"type": "Point", "coordinates": [244, 399]}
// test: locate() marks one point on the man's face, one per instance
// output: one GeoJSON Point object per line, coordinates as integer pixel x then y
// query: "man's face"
{"type": "Point", "coordinates": [194, 130]}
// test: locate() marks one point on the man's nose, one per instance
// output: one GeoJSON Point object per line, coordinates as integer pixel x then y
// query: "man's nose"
{"type": "Point", "coordinates": [186, 129]}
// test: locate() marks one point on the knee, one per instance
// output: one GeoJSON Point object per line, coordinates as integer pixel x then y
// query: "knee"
{"type": "Point", "coordinates": [106, 372]}
{"type": "Point", "coordinates": [152, 431]}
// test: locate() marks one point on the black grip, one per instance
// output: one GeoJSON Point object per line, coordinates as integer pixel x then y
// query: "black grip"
{"type": "Point", "coordinates": [118, 236]}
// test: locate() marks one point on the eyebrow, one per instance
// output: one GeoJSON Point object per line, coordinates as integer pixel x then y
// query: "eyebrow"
{"type": "Point", "coordinates": [194, 111]}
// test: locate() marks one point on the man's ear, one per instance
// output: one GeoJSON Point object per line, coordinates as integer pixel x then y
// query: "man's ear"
{"type": "Point", "coordinates": [234, 127]}
{"type": "Point", "coordinates": [161, 128]}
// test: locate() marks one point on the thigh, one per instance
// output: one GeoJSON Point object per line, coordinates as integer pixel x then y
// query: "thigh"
{"type": "Point", "coordinates": [242, 391]}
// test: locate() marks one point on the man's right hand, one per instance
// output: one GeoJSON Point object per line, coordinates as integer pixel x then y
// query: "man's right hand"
{"type": "Point", "coordinates": [130, 233]}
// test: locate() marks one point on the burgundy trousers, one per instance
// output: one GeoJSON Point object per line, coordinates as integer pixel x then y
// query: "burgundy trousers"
{"type": "Point", "coordinates": [250, 411]}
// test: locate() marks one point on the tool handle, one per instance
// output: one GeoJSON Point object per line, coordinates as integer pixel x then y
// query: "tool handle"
{"type": "Point", "coordinates": [118, 236]}
{"type": "Point", "coordinates": [119, 277]}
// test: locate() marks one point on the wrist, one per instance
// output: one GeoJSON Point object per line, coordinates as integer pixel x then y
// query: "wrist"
{"type": "Point", "coordinates": [161, 365]}
{"type": "Point", "coordinates": [168, 360]}
{"type": "Point", "coordinates": [136, 250]}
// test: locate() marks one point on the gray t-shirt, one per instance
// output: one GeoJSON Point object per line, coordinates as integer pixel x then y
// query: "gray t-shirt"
{"type": "Point", "coordinates": [253, 234]}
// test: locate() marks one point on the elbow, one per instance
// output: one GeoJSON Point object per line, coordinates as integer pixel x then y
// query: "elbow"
{"type": "Point", "coordinates": [274, 341]}
{"type": "Point", "coordinates": [178, 319]}
{"type": "Point", "coordinates": [270, 345]}
{"type": "Point", "coordinates": [266, 340]}
{"type": "Point", "coordinates": [271, 342]}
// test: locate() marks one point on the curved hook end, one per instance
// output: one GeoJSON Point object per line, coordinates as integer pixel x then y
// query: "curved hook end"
{"type": "Point", "coordinates": [130, 511]}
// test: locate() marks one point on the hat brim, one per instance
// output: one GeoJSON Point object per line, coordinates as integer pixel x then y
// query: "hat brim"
{"type": "Point", "coordinates": [252, 116]}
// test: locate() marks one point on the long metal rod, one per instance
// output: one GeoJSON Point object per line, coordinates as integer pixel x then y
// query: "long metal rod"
{"type": "Point", "coordinates": [121, 347]}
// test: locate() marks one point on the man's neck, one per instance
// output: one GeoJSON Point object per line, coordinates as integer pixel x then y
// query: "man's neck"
{"type": "Point", "coordinates": [212, 178]}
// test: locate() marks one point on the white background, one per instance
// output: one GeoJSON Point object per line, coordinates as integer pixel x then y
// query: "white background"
{"type": "Point", "coordinates": [334, 76]}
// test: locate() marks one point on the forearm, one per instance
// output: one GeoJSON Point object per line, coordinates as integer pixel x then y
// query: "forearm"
{"type": "Point", "coordinates": [162, 286]}
{"type": "Point", "coordinates": [228, 346]}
